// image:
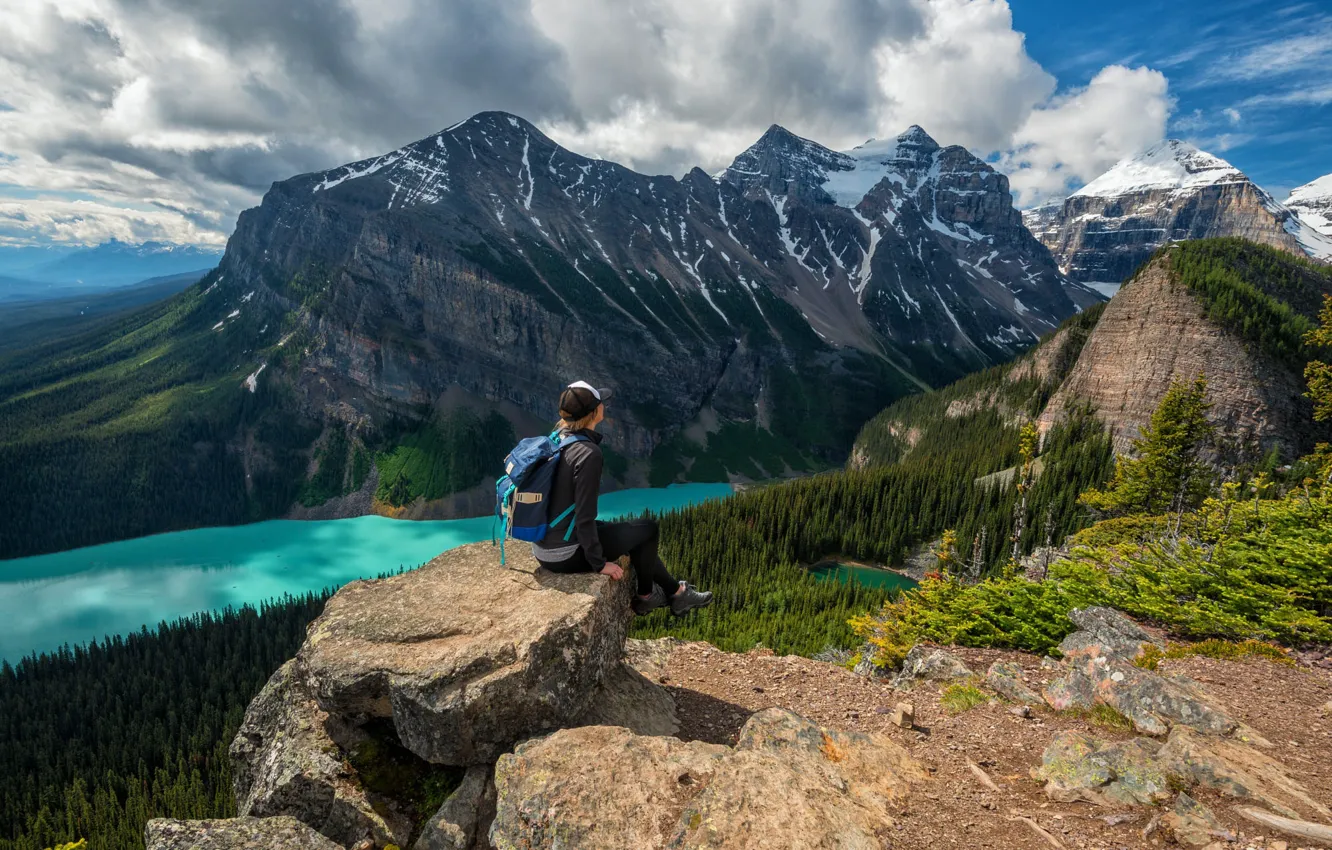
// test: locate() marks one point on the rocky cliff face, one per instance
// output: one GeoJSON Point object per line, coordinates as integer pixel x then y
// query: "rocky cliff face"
{"type": "Point", "coordinates": [1155, 331]}
{"type": "Point", "coordinates": [487, 258]}
{"type": "Point", "coordinates": [1172, 192]}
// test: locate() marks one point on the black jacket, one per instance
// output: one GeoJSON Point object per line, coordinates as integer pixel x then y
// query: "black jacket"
{"type": "Point", "coordinates": [577, 481]}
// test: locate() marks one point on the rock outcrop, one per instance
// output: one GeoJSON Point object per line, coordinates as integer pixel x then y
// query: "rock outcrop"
{"type": "Point", "coordinates": [463, 822]}
{"type": "Point", "coordinates": [928, 664]}
{"type": "Point", "coordinates": [1106, 632]}
{"type": "Point", "coordinates": [447, 665]}
{"type": "Point", "coordinates": [1098, 669]}
{"type": "Point", "coordinates": [786, 783]}
{"type": "Point", "coordinates": [1154, 332]}
{"type": "Point", "coordinates": [280, 833]}
{"type": "Point", "coordinates": [466, 657]}
{"type": "Point", "coordinates": [1005, 678]}
{"type": "Point", "coordinates": [286, 760]}
{"type": "Point", "coordinates": [1145, 771]}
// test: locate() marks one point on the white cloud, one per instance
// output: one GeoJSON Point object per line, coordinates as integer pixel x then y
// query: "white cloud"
{"type": "Point", "coordinates": [1077, 136]}
{"type": "Point", "coordinates": [170, 116]}
{"type": "Point", "coordinates": [88, 222]}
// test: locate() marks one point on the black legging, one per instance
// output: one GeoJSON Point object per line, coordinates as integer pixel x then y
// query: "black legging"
{"type": "Point", "coordinates": [636, 538]}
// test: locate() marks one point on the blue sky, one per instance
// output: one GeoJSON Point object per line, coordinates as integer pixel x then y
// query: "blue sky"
{"type": "Point", "coordinates": [1268, 61]}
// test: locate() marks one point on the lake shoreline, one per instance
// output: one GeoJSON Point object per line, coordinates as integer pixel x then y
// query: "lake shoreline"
{"type": "Point", "coordinates": [78, 595]}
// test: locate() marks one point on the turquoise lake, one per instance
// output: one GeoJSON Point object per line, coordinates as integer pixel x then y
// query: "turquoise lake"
{"type": "Point", "coordinates": [868, 576]}
{"type": "Point", "coordinates": [116, 588]}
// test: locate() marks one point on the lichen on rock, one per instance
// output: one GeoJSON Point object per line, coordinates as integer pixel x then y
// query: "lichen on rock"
{"type": "Point", "coordinates": [279, 833]}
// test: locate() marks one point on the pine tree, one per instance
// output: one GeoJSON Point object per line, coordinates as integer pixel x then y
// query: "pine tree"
{"type": "Point", "coordinates": [1166, 472]}
{"type": "Point", "coordinates": [1319, 372]}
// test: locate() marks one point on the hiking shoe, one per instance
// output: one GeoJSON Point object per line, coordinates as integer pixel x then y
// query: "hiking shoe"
{"type": "Point", "coordinates": [656, 599]}
{"type": "Point", "coordinates": [688, 599]}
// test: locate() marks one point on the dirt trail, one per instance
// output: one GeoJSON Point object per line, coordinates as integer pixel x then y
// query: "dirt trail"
{"type": "Point", "coordinates": [716, 691]}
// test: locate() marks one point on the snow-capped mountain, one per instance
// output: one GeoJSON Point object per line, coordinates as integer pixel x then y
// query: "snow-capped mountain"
{"type": "Point", "coordinates": [1172, 191]}
{"type": "Point", "coordinates": [1312, 202]}
{"type": "Point", "coordinates": [925, 237]}
{"type": "Point", "coordinates": [487, 256]}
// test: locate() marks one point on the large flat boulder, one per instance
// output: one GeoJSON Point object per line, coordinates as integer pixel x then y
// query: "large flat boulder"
{"type": "Point", "coordinates": [786, 783]}
{"type": "Point", "coordinates": [465, 656]}
{"type": "Point", "coordinates": [285, 761]}
{"type": "Point", "coordinates": [234, 834]}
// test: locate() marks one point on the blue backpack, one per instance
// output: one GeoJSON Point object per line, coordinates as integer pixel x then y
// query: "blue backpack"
{"type": "Point", "coordinates": [522, 494]}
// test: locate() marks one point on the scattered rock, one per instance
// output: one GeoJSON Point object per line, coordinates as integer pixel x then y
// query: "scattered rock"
{"type": "Point", "coordinates": [1077, 766]}
{"type": "Point", "coordinates": [1104, 632]}
{"type": "Point", "coordinates": [930, 664]}
{"type": "Point", "coordinates": [1192, 823]}
{"type": "Point", "coordinates": [1141, 771]}
{"type": "Point", "coordinates": [1005, 679]}
{"type": "Point", "coordinates": [465, 818]}
{"type": "Point", "coordinates": [904, 715]}
{"type": "Point", "coordinates": [1153, 702]}
{"type": "Point", "coordinates": [285, 762]}
{"type": "Point", "coordinates": [627, 698]}
{"type": "Point", "coordinates": [786, 783]}
{"type": "Point", "coordinates": [280, 833]}
{"type": "Point", "coordinates": [465, 656]}
{"type": "Point", "coordinates": [1235, 769]}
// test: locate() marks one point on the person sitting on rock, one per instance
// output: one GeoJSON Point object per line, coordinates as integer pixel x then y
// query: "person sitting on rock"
{"type": "Point", "coordinates": [596, 545]}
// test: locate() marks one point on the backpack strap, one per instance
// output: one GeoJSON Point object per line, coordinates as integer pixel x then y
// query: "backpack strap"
{"type": "Point", "coordinates": [569, 440]}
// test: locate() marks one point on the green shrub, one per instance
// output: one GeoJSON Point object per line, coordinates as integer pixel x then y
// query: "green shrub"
{"type": "Point", "coordinates": [1253, 570]}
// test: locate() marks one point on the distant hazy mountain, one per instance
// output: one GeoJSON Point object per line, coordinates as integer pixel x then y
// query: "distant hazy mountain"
{"type": "Point", "coordinates": [17, 259]}
{"type": "Point", "coordinates": [1170, 192]}
{"type": "Point", "coordinates": [112, 263]}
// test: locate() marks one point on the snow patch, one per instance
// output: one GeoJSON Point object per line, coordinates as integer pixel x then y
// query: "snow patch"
{"type": "Point", "coordinates": [1172, 165]}
{"type": "Point", "coordinates": [252, 382]}
{"type": "Point", "coordinates": [359, 169]}
{"type": "Point", "coordinates": [531, 179]}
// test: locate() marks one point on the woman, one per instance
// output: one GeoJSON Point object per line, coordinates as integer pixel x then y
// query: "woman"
{"type": "Point", "coordinates": [593, 546]}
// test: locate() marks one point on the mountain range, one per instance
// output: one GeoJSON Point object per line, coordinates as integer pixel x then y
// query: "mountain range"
{"type": "Point", "coordinates": [796, 280]}
{"type": "Point", "coordinates": [1172, 192]}
{"type": "Point", "coordinates": [375, 331]}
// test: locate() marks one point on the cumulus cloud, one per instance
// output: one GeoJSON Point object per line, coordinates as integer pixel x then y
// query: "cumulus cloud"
{"type": "Point", "coordinates": [167, 117]}
{"type": "Point", "coordinates": [1078, 135]}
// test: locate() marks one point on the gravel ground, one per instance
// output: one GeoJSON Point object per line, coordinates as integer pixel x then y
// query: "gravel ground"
{"type": "Point", "coordinates": [717, 691]}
